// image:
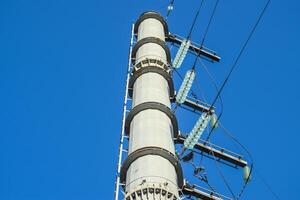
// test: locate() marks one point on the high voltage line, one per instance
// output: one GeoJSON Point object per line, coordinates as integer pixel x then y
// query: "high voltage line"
{"type": "Point", "coordinates": [219, 91]}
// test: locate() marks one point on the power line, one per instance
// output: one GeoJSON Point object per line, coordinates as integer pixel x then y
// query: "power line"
{"type": "Point", "coordinates": [191, 30]}
{"type": "Point", "coordinates": [195, 19]}
{"type": "Point", "coordinates": [228, 133]}
{"type": "Point", "coordinates": [206, 31]}
{"type": "Point", "coordinates": [217, 89]}
{"type": "Point", "coordinates": [218, 96]}
{"type": "Point", "coordinates": [215, 160]}
{"type": "Point", "coordinates": [209, 22]}
{"type": "Point", "coordinates": [267, 185]}
{"type": "Point", "coordinates": [213, 81]}
{"type": "Point", "coordinates": [221, 112]}
{"type": "Point", "coordinates": [221, 173]}
{"type": "Point", "coordinates": [238, 57]}
{"type": "Point", "coordinates": [198, 87]}
{"type": "Point", "coordinates": [203, 177]}
{"type": "Point", "coordinates": [249, 155]}
{"type": "Point", "coordinates": [242, 51]}
{"type": "Point", "coordinates": [224, 84]}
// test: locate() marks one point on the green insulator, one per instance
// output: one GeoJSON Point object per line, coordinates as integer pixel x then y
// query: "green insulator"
{"type": "Point", "coordinates": [214, 121]}
{"type": "Point", "coordinates": [247, 175]}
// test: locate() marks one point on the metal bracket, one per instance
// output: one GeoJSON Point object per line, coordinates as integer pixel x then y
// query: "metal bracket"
{"type": "Point", "coordinates": [220, 153]}
{"type": "Point", "coordinates": [198, 50]}
{"type": "Point", "coordinates": [194, 105]}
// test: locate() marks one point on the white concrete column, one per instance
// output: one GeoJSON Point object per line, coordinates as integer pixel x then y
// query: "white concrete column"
{"type": "Point", "coordinates": [151, 127]}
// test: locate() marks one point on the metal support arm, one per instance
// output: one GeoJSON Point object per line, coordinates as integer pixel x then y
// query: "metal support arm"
{"type": "Point", "coordinates": [220, 153]}
{"type": "Point", "coordinates": [194, 48]}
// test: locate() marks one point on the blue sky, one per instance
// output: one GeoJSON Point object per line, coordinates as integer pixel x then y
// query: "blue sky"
{"type": "Point", "coordinates": [62, 74]}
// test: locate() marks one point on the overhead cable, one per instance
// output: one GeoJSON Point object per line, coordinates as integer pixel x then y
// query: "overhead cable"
{"type": "Point", "coordinates": [229, 134]}
{"type": "Point", "coordinates": [221, 173]}
{"type": "Point", "coordinates": [209, 22]}
{"type": "Point", "coordinates": [194, 20]}
{"type": "Point", "coordinates": [206, 31]}
{"type": "Point", "coordinates": [267, 185]}
{"type": "Point", "coordinates": [239, 56]}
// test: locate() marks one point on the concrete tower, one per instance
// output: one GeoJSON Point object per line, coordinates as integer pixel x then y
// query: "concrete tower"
{"type": "Point", "coordinates": [151, 171]}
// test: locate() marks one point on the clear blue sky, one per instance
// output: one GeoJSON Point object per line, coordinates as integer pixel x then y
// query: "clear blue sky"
{"type": "Point", "coordinates": [62, 67]}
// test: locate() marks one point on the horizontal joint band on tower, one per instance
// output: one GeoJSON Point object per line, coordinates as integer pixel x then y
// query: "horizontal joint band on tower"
{"type": "Point", "coordinates": [154, 15]}
{"type": "Point", "coordinates": [155, 106]}
{"type": "Point", "coordinates": [151, 69]}
{"type": "Point", "coordinates": [152, 151]}
{"type": "Point", "coordinates": [151, 40]}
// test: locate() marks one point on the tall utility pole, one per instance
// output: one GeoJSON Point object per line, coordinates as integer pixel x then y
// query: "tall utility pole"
{"type": "Point", "coordinates": [151, 170]}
